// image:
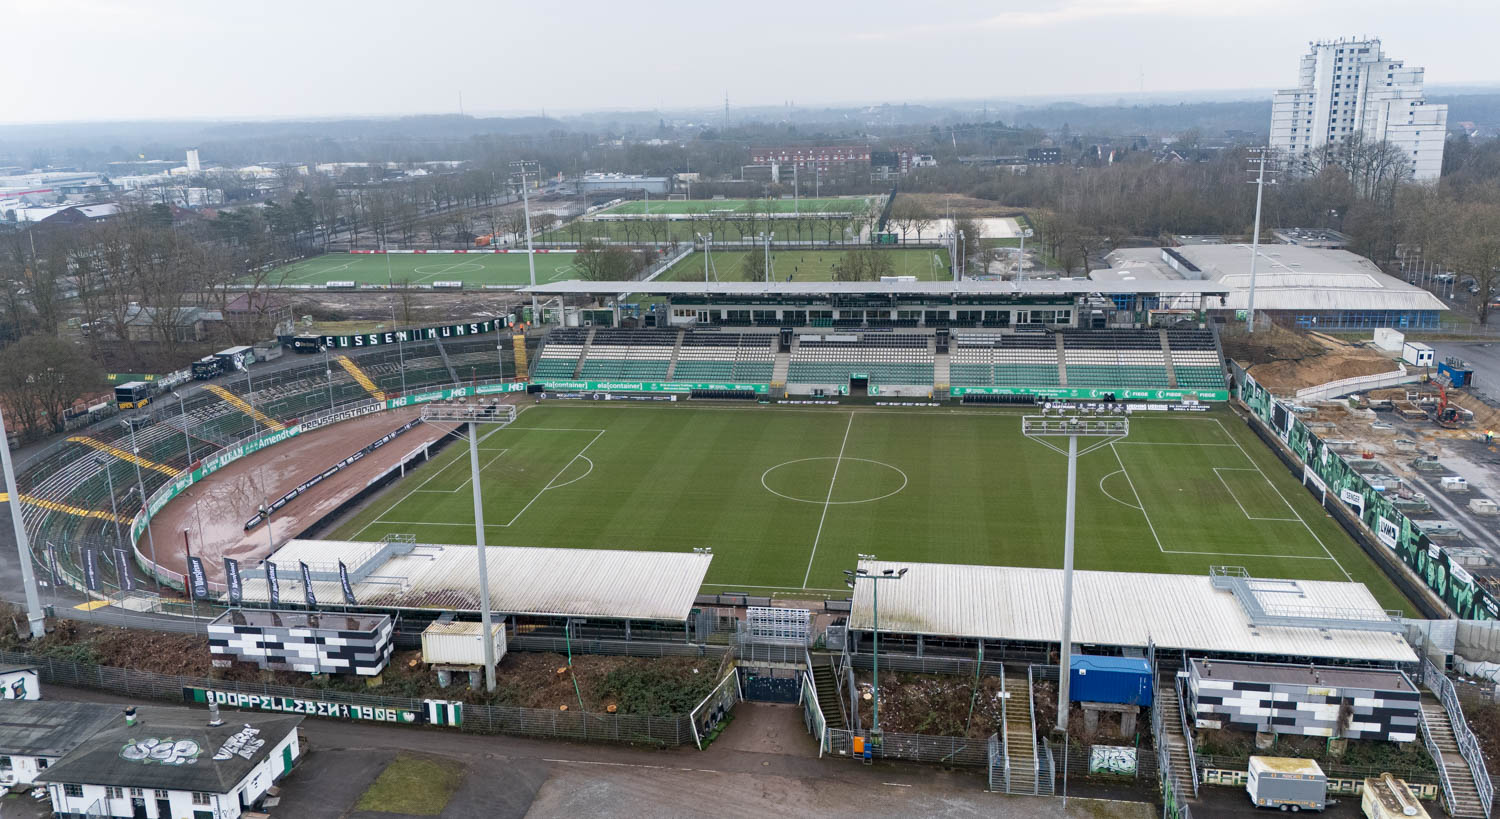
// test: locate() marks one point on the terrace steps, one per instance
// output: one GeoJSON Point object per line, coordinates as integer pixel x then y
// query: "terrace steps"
{"type": "Point", "coordinates": [676, 350]}
{"type": "Point", "coordinates": [1062, 358]}
{"type": "Point", "coordinates": [828, 696]}
{"type": "Point", "coordinates": [1166, 354]}
{"type": "Point", "coordinates": [1177, 752]}
{"type": "Point", "coordinates": [583, 354]}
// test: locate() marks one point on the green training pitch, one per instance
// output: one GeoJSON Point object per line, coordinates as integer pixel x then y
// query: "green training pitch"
{"type": "Point", "coordinates": [473, 269]}
{"type": "Point", "coordinates": [808, 265]}
{"type": "Point", "coordinates": [788, 497]}
{"type": "Point", "coordinates": [686, 207]}
{"type": "Point", "coordinates": [639, 231]}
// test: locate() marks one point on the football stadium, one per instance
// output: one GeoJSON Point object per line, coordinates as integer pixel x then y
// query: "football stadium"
{"type": "Point", "coordinates": [417, 268]}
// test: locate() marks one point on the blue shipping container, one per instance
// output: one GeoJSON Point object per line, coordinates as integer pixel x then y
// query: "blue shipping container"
{"type": "Point", "coordinates": [1125, 680]}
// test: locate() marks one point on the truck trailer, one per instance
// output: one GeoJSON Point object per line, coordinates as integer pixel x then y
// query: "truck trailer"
{"type": "Point", "coordinates": [1286, 783]}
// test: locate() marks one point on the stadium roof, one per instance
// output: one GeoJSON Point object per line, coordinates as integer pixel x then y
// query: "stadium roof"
{"type": "Point", "coordinates": [1287, 277]}
{"type": "Point", "coordinates": [608, 583]}
{"type": "Point", "coordinates": [1126, 609]}
{"type": "Point", "coordinates": [1041, 287]}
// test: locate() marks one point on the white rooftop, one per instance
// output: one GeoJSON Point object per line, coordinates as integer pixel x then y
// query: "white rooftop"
{"type": "Point", "coordinates": [1126, 609]}
{"type": "Point", "coordinates": [1287, 277]}
{"type": "Point", "coordinates": [1044, 287]}
{"type": "Point", "coordinates": [609, 583]}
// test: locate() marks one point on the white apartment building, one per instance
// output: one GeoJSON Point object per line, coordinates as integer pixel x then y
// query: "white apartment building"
{"type": "Point", "coordinates": [1349, 87]}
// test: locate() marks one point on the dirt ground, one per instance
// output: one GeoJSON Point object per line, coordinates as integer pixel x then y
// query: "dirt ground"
{"type": "Point", "coordinates": [633, 685]}
{"type": "Point", "coordinates": [214, 512]}
{"type": "Point", "coordinates": [1285, 361]}
{"type": "Point", "coordinates": [962, 206]}
{"type": "Point", "coordinates": [934, 704]}
{"type": "Point", "coordinates": [341, 312]}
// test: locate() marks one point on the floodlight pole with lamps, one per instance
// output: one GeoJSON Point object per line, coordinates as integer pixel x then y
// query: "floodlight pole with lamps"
{"type": "Point", "coordinates": [140, 485]}
{"type": "Point", "coordinates": [34, 615]}
{"type": "Point", "coordinates": [522, 169]}
{"type": "Point", "coordinates": [1260, 156]}
{"type": "Point", "coordinates": [498, 415]}
{"type": "Point", "coordinates": [1102, 430]}
{"type": "Point", "coordinates": [852, 578]}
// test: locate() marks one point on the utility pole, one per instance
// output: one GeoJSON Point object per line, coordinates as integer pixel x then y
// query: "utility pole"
{"type": "Point", "coordinates": [521, 169]}
{"type": "Point", "coordinates": [34, 614]}
{"type": "Point", "coordinates": [852, 578]}
{"type": "Point", "coordinates": [1258, 157]}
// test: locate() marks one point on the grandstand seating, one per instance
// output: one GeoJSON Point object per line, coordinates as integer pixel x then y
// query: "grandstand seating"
{"type": "Point", "coordinates": [637, 355]}
{"type": "Point", "coordinates": [1008, 360]}
{"type": "Point", "coordinates": [559, 356]}
{"type": "Point", "coordinates": [1195, 359]}
{"type": "Point", "coordinates": [886, 358]}
{"type": "Point", "coordinates": [1130, 359]}
{"type": "Point", "coordinates": [737, 357]}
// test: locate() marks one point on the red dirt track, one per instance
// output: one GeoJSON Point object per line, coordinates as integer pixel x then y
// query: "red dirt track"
{"type": "Point", "coordinates": [214, 511]}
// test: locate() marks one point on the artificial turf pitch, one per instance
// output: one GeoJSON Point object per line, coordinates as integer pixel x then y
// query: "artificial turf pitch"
{"type": "Point", "coordinates": [473, 269]}
{"type": "Point", "coordinates": [787, 498]}
{"type": "Point", "coordinates": [677, 207]}
{"type": "Point", "coordinates": [928, 264]}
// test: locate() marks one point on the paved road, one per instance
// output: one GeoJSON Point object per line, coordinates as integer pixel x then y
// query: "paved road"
{"type": "Point", "coordinates": [763, 764]}
{"type": "Point", "coordinates": [1483, 357]}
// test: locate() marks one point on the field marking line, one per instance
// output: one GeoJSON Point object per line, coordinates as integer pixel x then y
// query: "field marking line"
{"type": "Point", "coordinates": [828, 501]}
{"type": "Point", "coordinates": [1236, 498]}
{"type": "Point", "coordinates": [1251, 554]}
{"type": "Point", "coordinates": [421, 276]}
{"type": "Point", "coordinates": [580, 477]}
{"type": "Point", "coordinates": [1142, 503]}
{"type": "Point", "coordinates": [1112, 497]}
{"type": "Point", "coordinates": [1169, 443]}
{"type": "Point", "coordinates": [460, 487]}
{"type": "Point", "coordinates": [314, 272]}
{"type": "Point", "coordinates": [904, 480]}
{"type": "Point", "coordinates": [559, 474]}
{"type": "Point", "coordinates": [1288, 503]}
{"type": "Point", "coordinates": [380, 518]}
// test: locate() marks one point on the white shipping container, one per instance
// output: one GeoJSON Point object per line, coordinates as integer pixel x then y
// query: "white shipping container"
{"type": "Point", "coordinates": [1417, 354]}
{"type": "Point", "coordinates": [458, 643]}
{"type": "Point", "coordinates": [1389, 340]}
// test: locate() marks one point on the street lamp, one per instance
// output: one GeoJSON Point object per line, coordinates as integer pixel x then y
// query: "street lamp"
{"type": "Point", "coordinates": [186, 439]}
{"type": "Point", "coordinates": [852, 578]}
{"type": "Point", "coordinates": [1101, 430]}
{"type": "Point", "coordinates": [103, 462]}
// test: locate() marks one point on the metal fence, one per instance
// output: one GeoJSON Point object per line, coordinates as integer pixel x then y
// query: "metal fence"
{"type": "Point", "coordinates": [915, 747]}
{"type": "Point", "coordinates": [623, 648]}
{"type": "Point", "coordinates": [665, 730]}
{"type": "Point", "coordinates": [918, 664]}
{"type": "Point", "coordinates": [1468, 746]}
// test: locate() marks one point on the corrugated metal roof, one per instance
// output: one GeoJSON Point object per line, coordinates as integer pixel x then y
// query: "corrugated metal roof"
{"type": "Point", "coordinates": [966, 287]}
{"type": "Point", "coordinates": [607, 583]}
{"type": "Point", "coordinates": [1109, 608]}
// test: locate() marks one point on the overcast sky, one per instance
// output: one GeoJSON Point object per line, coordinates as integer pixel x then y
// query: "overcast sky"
{"type": "Point", "coordinates": [118, 59]}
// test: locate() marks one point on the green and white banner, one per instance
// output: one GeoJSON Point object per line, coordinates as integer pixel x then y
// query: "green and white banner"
{"type": "Point", "coordinates": [648, 386]}
{"type": "Point", "coordinates": [1094, 394]}
{"type": "Point", "coordinates": [472, 328]}
{"type": "Point", "coordinates": [306, 707]}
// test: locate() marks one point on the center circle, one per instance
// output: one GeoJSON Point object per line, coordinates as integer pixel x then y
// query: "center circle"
{"type": "Point", "coordinates": [439, 269]}
{"type": "Point", "coordinates": [817, 480]}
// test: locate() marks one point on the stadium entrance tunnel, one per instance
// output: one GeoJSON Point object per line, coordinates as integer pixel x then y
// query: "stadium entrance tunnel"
{"type": "Point", "coordinates": [833, 480]}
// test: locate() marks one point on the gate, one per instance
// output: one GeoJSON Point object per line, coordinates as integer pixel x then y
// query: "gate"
{"type": "Point", "coordinates": [767, 685]}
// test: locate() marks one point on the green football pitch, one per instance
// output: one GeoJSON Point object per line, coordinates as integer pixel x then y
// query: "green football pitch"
{"type": "Point", "coordinates": [473, 269]}
{"type": "Point", "coordinates": [808, 265]}
{"type": "Point", "coordinates": [702, 206]}
{"type": "Point", "coordinates": [788, 497]}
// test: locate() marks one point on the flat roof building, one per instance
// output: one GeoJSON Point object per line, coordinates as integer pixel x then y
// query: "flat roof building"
{"type": "Point", "coordinates": [1297, 286]}
{"type": "Point", "coordinates": [35, 734]}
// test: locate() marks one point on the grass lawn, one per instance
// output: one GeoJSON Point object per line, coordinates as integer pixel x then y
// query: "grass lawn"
{"type": "Point", "coordinates": [420, 786]}
{"type": "Point", "coordinates": [637, 231]}
{"type": "Point", "coordinates": [809, 265]}
{"type": "Point", "coordinates": [806, 204]}
{"type": "Point", "coordinates": [787, 498]}
{"type": "Point", "coordinates": [473, 269]}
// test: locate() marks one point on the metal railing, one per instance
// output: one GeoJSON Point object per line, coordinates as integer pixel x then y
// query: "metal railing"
{"type": "Point", "coordinates": [1187, 734]}
{"type": "Point", "coordinates": [916, 747]}
{"type": "Point", "coordinates": [1004, 734]}
{"type": "Point", "coordinates": [1031, 720]}
{"type": "Point", "coordinates": [1437, 756]}
{"type": "Point", "coordinates": [810, 688]}
{"type": "Point", "coordinates": [1468, 747]}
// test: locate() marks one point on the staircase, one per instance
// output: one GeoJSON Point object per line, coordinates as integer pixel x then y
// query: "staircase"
{"type": "Point", "coordinates": [1062, 361]}
{"type": "Point", "coordinates": [1020, 734]}
{"type": "Point", "coordinates": [676, 349]}
{"type": "Point", "coordinates": [940, 370]}
{"type": "Point", "coordinates": [583, 354]}
{"type": "Point", "coordinates": [1171, 720]}
{"type": "Point", "coordinates": [783, 363]}
{"type": "Point", "coordinates": [1166, 356]}
{"type": "Point", "coordinates": [828, 695]}
{"type": "Point", "coordinates": [1460, 777]}
{"type": "Point", "coordinates": [443, 353]}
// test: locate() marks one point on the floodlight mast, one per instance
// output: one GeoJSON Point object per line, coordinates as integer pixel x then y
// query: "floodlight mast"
{"type": "Point", "coordinates": [499, 415]}
{"type": "Point", "coordinates": [1102, 430]}
{"type": "Point", "coordinates": [520, 169]}
{"type": "Point", "coordinates": [852, 578]}
{"type": "Point", "coordinates": [34, 616]}
{"type": "Point", "coordinates": [1258, 157]}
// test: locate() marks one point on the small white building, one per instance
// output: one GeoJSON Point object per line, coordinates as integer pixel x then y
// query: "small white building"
{"type": "Point", "coordinates": [170, 762]}
{"type": "Point", "coordinates": [19, 682]}
{"type": "Point", "coordinates": [35, 735]}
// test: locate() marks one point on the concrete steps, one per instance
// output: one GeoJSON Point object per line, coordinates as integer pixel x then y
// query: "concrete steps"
{"type": "Point", "coordinates": [1460, 777]}
{"type": "Point", "coordinates": [827, 685]}
{"type": "Point", "coordinates": [1177, 752]}
{"type": "Point", "coordinates": [1020, 734]}
{"type": "Point", "coordinates": [583, 354]}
